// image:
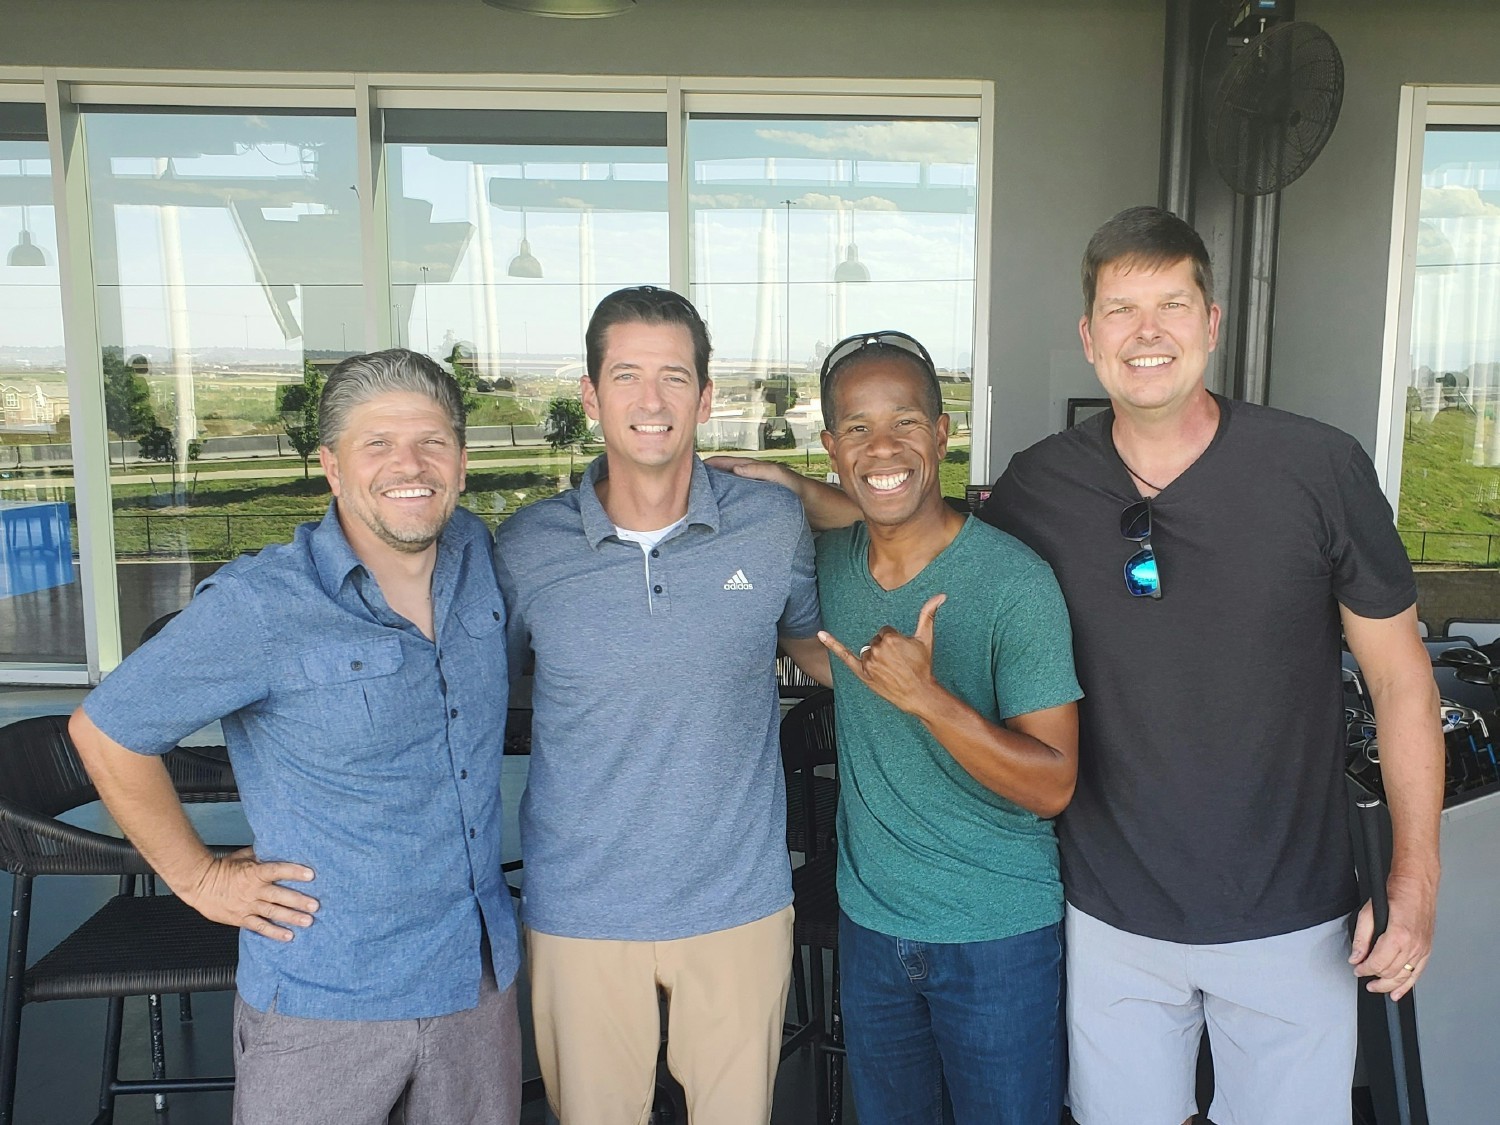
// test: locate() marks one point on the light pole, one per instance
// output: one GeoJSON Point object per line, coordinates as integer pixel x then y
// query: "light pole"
{"type": "Point", "coordinates": [786, 323]}
{"type": "Point", "coordinates": [426, 329]}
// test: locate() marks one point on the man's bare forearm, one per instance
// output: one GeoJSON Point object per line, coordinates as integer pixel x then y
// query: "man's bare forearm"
{"type": "Point", "coordinates": [1411, 767]}
{"type": "Point", "coordinates": [139, 794]}
{"type": "Point", "coordinates": [827, 507]}
{"type": "Point", "coordinates": [1019, 766]}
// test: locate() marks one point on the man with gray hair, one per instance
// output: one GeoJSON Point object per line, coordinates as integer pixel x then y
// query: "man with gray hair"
{"type": "Point", "coordinates": [359, 673]}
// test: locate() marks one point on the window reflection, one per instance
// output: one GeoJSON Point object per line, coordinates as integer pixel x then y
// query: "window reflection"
{"type": "Point", "coordinates": [506, 229]}
{"type": "Point", "coordinates": [41, 604]}
{"type": "Point", "coordinates": [807, 230]}
{"type": "Point", "coordinates": [1450, 480]}
{"type": "Point", "coordinates": [226, 251]}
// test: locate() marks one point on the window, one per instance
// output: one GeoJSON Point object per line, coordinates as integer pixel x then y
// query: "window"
{"type": "Point", "coordinates": [1446, 405]}
{"type": "Point", "coordinates": [805, 230]}
{"type": "Point", "coordinates": [41, 600]}
{"type": "Point", "coordinates": [226, 253]}
{"type": "Point", "coordinates": [224, 240]}
{"type": "Point", "coordinates": [506, 228]}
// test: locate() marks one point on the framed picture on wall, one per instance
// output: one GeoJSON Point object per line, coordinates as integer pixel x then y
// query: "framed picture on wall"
{"type": "Point", "coordinates": [1082, 409]}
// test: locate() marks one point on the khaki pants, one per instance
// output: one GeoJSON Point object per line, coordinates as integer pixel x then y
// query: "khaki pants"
{"type": "Point", "coordinates": [598, 1027]}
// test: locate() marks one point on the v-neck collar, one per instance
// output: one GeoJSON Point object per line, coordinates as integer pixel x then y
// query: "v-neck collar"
{"type": "Point", "coordinates": [1130, 480]}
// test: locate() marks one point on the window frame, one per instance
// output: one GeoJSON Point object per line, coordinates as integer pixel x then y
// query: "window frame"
{"type": "Point", "coordinates": [1422, 108]}
{"type": "Point", "coordinates": [69, 92]}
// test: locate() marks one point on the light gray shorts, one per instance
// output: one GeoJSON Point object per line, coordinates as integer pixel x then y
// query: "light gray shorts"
{"type": "Point", "coordinates": [1280, 1013]}
{"type": "Point", "coordinates": [459, 1069]}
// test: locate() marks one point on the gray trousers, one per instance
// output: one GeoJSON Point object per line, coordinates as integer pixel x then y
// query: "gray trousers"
{"type": "Point", "coordinates": [459, 1069]}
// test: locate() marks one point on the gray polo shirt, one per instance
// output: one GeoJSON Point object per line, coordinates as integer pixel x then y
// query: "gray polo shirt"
{"type": "Point", "coordinates": [655, 806]}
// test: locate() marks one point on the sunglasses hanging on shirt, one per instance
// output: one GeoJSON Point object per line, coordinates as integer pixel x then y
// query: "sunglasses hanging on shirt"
{"type": "Point", "coordinates": [1142, 578]}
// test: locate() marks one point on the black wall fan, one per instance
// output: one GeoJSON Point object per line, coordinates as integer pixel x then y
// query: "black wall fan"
{"type": "Point", "coordinates": [1274, 108]}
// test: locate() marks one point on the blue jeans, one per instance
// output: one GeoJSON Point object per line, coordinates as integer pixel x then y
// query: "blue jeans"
{"type": "Point", "coordinates": [958, 1034]}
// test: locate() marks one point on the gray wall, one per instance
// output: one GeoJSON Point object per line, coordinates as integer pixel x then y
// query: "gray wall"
{"type": "Point", "coordinates": [1078, 93]}
{"type": "Point", "coordinates": [1336, 220]}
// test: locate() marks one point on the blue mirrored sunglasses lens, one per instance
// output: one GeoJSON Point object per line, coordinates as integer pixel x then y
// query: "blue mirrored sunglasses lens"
{"type": "Point", "coordinates": [1141, 578]}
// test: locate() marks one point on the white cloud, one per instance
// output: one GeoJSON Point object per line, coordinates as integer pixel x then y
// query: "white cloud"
{"type": "Point", "coordinates": [933, 142]}
{"type": "Point", "coordinates": [1455, 201]}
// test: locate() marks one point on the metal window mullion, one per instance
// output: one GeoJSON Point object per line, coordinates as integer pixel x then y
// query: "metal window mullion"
{"type": "Point", "coordinates": [679, 234]}
{"type": "Point", "coordinates": [832, 105]}
{"type": "Point", "coordinates": [374, 223]}
{"type": "Point", "coordinates": [979, 385]}
{"type": "Point", "coordinates": [1390, 432]}
{"type": "Point", "coordinates": [197, 95]}
{"type": "Point", "coordinates": [90, 438]}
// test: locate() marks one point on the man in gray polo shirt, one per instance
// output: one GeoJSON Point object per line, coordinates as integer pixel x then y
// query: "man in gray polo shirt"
{"type": "Point", "coordinates": [653, 825]}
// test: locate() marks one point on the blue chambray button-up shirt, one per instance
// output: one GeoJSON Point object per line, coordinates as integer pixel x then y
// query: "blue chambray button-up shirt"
{"type": "Point", "coordinates": [363, 750]}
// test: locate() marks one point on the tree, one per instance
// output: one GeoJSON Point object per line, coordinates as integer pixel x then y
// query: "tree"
{"type": "Point", "coordinates": [465, 374]}
{"type": "Point", "coordinates": [160, 444]}
{"type": "Point", "coordinates": [566, 426]}
{"type": "Point", "coordinates": [127, 397]}
{"type": "Point", "coordinates": [301, 419]}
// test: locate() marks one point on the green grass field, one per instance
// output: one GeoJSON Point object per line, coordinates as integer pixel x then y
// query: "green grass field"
{"type": "Point", "coordinates": [1449, 505]}
{"type": "Point", "coordinates": [223, 518]}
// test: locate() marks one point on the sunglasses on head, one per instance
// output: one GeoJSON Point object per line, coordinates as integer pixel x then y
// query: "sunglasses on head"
{"type": "Point", "coordinates": [1141, 576]}
{"type": "Point", "coordinates": [851, 346]}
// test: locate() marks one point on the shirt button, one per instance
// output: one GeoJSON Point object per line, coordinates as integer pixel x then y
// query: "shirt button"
{"type": "Point", "coordinates": [463, 775]}
{"type": "Point", "coordinates": [495, 614]}
{"type": "Point", "coordinates": [453, 714]}
{"type": "Point", "coordinates": [656, 589]}
{"type": "Point", "coordinates": [655, 554]}
{"type": "Point", "coordinates": [471, 833]}
{"type": "Point", "coordinates": [356, 665]}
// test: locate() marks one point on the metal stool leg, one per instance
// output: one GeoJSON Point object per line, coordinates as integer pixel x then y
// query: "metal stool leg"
{"type": "Point", "coordinates": [158, 1048]}
{"type": "Point", "coordinates": [15, 979]}
{"type": "Point", "coordinates": [114, 1021]}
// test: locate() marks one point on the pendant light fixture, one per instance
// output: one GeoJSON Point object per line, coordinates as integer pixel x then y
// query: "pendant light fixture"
{"type": "Point", "coordinates": [26, 252]}
{"type": "Point", "coordinates": [565, 9]}
{"type": "Point", "coordinates": [851, 268]}
{"type": "Point", "coordinates": [524, 264]}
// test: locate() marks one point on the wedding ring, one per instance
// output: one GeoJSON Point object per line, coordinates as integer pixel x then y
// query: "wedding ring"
{"type": "Point", "coordinates": [864, 650]}
{"type": "Point", "coordinates": [1410, 968]}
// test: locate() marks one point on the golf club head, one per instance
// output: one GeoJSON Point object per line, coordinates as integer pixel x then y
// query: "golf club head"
{"type": "Point", "coordinates": [1463, 656]}
{"type": "Point", "coordinates": [1475, 673]}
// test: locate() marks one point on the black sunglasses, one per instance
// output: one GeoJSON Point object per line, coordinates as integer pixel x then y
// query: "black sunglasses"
{"type": "Point", "coordinates": [853, 345]}
{"type": "Point", "coordinates": [1141, 576]}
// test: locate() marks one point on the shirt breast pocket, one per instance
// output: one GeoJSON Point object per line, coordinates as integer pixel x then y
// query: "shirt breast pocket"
{"type": "Point", "coordinates": [483, 622]}
{"type": "Point", "coordinates": [354, 692]}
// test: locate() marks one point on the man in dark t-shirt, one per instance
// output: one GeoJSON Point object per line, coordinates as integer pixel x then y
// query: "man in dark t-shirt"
{"type": "Point", "coordinates": [1209, 552]}
{"type": "Point", "coordinates": [1206, 854]}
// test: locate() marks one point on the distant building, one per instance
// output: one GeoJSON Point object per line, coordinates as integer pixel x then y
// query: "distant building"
{"type": "Point", "coordinates": [36, 407]}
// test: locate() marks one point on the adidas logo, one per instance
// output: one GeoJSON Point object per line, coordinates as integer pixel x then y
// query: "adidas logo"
{"type": "Point", "coordinates": [738, 581]}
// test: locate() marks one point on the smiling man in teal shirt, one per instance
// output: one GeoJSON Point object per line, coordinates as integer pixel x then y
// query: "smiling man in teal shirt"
{"type": "Point", "coordinates": [957, 737]}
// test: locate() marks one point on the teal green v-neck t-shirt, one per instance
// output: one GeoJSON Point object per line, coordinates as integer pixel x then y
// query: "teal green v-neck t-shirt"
{"type": "Point", "coordinates": [926, 852]}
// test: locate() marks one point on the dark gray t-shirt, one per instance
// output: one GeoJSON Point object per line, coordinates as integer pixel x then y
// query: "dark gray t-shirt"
{"type": "Point", "coordinates": [1210, 804]}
